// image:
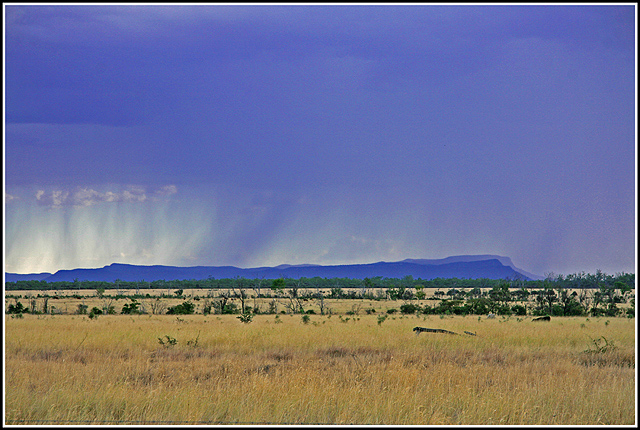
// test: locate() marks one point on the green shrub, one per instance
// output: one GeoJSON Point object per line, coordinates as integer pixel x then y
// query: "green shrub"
{"type": "Point", "coordinates": [503, 310]}
{"type": "Point", "coordinates": [131, 308]}
{"type": "Point", "coordinates": [409, 308]}
{"type": "Point", "coordinates": [95, 312]}
{"type": "Point", "coordinates": [185, 308]}
{"type": "Point", "coordinates": [519, 310]}
{"type": "Point", "coordinates": [18, 308]}
{"type": "Point", "coordinates": [245, 317]}
{"type": "Point", "coordinates": [168, 342]}
{"type": "Point", "coordinates": [230, 308]}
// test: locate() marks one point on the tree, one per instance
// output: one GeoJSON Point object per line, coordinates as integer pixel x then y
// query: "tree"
{"type": "Point", "coordinates": [295, 301]}
{"type": "Point", "coordinates": [501, 294]}
{"type": "Point", "coordinates": [366, 285]}
{"type": "Point", "coordinates": [223, 305]}
{"type": "Point", "coordinates": [241, 293]}
{"type": "Point", "coordinates": [545, 299]}
{"type": "Point", "coordinates": [256, 287]}
{"type": "Point", "coordinates": [320, 301]}
{"type": "Point", "coordinates": [521, 295]}
{"type": "Point", "coordinates": [157, 306]}
{"type": "Point", "coordinates": [567, 303]}
{"type": "Point", "coordinates": [278, 285]}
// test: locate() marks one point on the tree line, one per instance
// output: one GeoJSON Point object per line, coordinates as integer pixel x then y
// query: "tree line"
{"type": "Point", "coordinates": [573, 281]}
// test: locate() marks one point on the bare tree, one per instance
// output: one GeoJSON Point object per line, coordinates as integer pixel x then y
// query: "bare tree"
{"type": "Point", "coordinates": [320, 301]}
{"type": "Point", "coordinates": [157, 306]}
{"type": "Point", "coordinates": [295, 301]}
{"type": "Point", "coordinates": [273, 306]}
{"type": "Point", "coordinates": [106, 304]}
{"type": "Point", "coordinates": [240, 292]}
{"type": "Point", "coordinates": [258, 285]}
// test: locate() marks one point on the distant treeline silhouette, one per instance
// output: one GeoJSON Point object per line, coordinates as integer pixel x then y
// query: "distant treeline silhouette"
{"type": "Point", "coordinates": [572, 281]}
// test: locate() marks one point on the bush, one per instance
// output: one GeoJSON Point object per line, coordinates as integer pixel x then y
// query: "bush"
{"type": "Point", "coordinates": [392, 311]}
{"type": "Point", "coordinates": [427, 310]}
{"type": "Point", "coordinates": [503, 310]}
{"type": "Point", "coordinates": [131, 308]}
{"type": "Point", "coordinates": [519, 310]}
{"type": "Point", "coordinates": [185, 308]}
{"type": "Point", "coordinates": [18, 308]}
{"type": "Point", "coordinates": [478, 306]}
{"type": "Point", "coordinates": [230, 308]}
{"type": "Point", "coordinates": [95, 312]}
{"type": "Point", "coordinates": [245, 317]}
{"type": "Point", "coordinates": [168, 342]}
{"type": "Point", "coordinates": [409, 308]}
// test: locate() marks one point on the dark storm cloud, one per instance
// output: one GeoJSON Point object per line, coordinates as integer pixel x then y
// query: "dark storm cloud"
{"type": "Point", "coordinates": [339, 133]}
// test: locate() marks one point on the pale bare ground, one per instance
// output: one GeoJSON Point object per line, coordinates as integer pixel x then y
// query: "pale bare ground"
{"type": "Point", "coordinates": [331, 370]}
{"type": "Point", "coordinates": [65, 303]}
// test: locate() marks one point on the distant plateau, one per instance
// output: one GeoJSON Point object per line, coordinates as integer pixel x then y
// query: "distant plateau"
{"type": "Point", "coordinates": [462, 267]}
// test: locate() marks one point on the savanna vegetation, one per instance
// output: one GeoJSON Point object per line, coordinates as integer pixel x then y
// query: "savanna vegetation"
{"type": "Point", "coordinates": [573, 295]}
{"type": "Point", "coordinates": [318, 369]}
{"type": "Point", "coordinates": [314, 351]}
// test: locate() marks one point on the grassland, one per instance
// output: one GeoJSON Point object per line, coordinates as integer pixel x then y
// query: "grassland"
{"type": "Point", "coordinates": [332, 370]}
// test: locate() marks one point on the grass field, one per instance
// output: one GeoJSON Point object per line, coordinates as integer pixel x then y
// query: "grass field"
{"type": "Point", "coordinates": [331, 370]}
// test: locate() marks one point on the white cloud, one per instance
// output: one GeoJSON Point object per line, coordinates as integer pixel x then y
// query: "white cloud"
{"type": "Point", "coordinates": [9, 197]}
{"type": "Point", "coordinates": [167, 190]}
{"type": "Point", "coordinates": [84, 196]}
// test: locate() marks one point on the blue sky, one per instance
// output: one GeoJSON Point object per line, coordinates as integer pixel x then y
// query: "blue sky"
{"type": "Point", "coordinates": [259, 135]}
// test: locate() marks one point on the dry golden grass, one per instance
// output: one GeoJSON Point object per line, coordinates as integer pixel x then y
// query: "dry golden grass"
{"type": "Point", "coordinates": [70, 369]}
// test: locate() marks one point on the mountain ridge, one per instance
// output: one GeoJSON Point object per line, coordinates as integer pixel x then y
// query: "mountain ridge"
{"type": "Point", "coordinates": [463, 266]}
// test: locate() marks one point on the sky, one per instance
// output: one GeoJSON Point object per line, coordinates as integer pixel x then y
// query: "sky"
{"type": "Point", "coordinates": [259, 135]}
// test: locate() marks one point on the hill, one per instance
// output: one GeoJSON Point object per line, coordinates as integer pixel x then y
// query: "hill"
{"type": "Point", "coordinates": [463, 267]}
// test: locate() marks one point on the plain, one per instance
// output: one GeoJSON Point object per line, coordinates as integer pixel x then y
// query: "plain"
{"type": "Point", "coordinates": [312, 369]}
